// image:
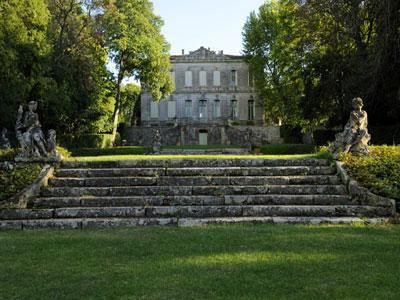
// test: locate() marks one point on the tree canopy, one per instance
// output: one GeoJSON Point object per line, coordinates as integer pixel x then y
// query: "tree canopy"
{"type": "Point", "coordinates": [56, 52]}
{"type": "Point", "coordinates": [310, 58]}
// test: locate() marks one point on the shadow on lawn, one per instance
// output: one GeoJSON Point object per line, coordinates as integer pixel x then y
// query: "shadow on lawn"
{"type": "Point", "coordinates": [215, 262]}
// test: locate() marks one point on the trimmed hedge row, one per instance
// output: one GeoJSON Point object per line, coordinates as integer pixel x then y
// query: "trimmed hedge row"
{"type": "Point", "coordinates": [128, 150]}
{"type": "Point", "coordinates": [87, 141]}
{"type": "Point", "coordinates": [287, 149]}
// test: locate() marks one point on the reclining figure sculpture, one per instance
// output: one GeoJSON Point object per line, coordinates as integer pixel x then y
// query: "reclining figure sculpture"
{"type": "Point", "coordinates": [355, 136]}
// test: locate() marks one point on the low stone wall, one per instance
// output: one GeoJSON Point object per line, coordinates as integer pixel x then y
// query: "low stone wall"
{"type": "Point", "coordinates": [21, 199]}
{"type": "Point", "coordinates": [217, 135]}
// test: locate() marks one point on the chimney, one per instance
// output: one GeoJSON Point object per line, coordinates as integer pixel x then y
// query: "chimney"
{"type": "Point", "coordinates": [183, 51]}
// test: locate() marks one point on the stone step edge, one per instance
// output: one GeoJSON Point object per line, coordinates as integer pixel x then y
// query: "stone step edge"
{"type": "Point", "coordinates": [177, 211]}
{"type": "Point", "coordinates": [253, 161]}
{"type": "Point", "coordinates": [81, 223]}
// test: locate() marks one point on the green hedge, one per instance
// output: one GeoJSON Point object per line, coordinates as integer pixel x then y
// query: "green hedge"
{"type": "Point", "coordinates": [379, 171]}
{"type": "Point", "coordinates": [129, 150]}
{"type": "Point", "coordinates": [87, 141]}
{"type": "Point", "coordinates": [16, 180]}
{"type": "Point", "coordinates": [287, 149]}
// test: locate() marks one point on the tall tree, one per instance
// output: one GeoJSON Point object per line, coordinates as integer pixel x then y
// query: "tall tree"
{"type": "Point", "coordinates": [23, 51]}
{"type": "Point", "coordinates": [137, 48]}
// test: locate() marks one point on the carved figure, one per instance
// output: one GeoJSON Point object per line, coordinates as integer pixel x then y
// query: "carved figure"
{"type": "Point", "coordinates": [247, 138]}
{"type": "Point", "coordinates": [4, 141]}
{"type": "Point", "coordinates": [30, 135]}
{"type": "Point", "coordinates": [355, 136]}
{"type": "Point", "coordinates": [51, 142]}
{"type": "Point", "coordinates": [156, 141]}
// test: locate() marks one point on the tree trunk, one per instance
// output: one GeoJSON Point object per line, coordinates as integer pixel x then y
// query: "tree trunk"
{"type": "Point", "coordinates": [116, 108]}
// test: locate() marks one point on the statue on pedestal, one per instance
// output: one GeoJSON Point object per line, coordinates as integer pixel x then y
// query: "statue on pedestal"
{"type": "Point", "coordinates": [355, 137]}
{"type": "Point", "coordinates": [248, 138]}
{"type": "Point", "coordinates": [156, 141]}
{"type": "Point", "coordinates": [31, 138]}
{"type": "Point", "coordinates": [4, 141]}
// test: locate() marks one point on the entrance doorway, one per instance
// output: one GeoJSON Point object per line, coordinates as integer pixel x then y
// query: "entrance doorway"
{"type": "Point", "coordinates": [203, 137]}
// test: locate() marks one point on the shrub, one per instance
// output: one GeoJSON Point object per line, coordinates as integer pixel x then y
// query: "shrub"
{"type": "Point", "coordinates": [287, 149]}
{"type": "Point", "coordinates": [379, 171]}
{"type": "Point", "coordinates": [291, 135]}
{"type": "Point", "coordinates": [129, 150]}
{"type": "Point", "coordinates": [9, 154]}
{"type": "Point", "coordinates": [87, 141]}
{"type": "Point", "coordinates": [16, 180]}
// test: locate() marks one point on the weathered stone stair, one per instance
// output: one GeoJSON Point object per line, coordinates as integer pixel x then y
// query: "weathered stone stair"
{"type": "Point", "coordinates": [188, 192]}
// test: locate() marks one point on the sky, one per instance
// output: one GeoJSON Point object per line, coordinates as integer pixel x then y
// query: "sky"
{"type": "Point", "coordinates": [215, 24]}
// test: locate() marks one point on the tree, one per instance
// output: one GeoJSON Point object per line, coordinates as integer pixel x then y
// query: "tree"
{"type": "Point", "coordinates": [78, 94]}
{"type": "Point", "coordinates": [23, 51]}
{"type": "Point", "coordinates": [137, 48]}
{"type": "Point", "coordinates": [310, 58]}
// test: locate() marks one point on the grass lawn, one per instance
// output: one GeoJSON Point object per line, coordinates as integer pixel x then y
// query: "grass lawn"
{"type": "Point", "coordinates": [194, 156]}
{"type": "Point", "coordinates": [215, 262]}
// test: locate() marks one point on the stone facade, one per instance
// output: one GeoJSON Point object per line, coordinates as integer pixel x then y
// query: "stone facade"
{"type": "Point", "coordinates": [213, 103]}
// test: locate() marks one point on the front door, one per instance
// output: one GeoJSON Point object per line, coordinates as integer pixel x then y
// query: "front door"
{"type": "Point", "coordinates": [203, 138]}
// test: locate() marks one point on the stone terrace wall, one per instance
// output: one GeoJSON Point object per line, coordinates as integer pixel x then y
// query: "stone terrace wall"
{"type": "Point", "coordinates": [217, 135]}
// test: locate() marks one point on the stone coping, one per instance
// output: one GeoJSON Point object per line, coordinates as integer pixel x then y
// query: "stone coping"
{"type": "Point", "coordinates": [21, 199]}
{"type": "Point", "coordinates": [361, 194]}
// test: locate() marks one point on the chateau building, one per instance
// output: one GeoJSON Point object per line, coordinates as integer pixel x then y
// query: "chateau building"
{"type": "Point", "coordinates": [214, 103]}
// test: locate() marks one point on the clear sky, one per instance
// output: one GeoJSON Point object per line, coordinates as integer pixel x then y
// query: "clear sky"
{"type": "Point", "coordinates": [218, 24]}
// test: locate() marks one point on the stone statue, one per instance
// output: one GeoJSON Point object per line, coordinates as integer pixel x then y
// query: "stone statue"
{"type": "Point", "coordinates": [31, 138]}
{"type": "Point", "coordinates": [355, 136]}
{"type": "Point", "coordinates": [4, 141]}
{"type": "Point", "coordinates": [156, 141]}
{"type": "Point", "coordinates": [247, 138]}
{"type": "Point", "coordinates": [51, 142]}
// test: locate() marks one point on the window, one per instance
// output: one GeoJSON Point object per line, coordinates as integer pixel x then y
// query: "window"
{"type": "Point", "coordinates": [217, 109]}
{"type": "Point", "coordinates": [171, 109]}
{"type": "Point", "coordinates": [251, 109]}
{"type": "Point", "coordinates": [153, 110]}
{"type": "Point", "coordinates": [172, 73]}
{"type": "Point", "coordinates": [233, 78]}
{"type": "Point", "coordinates": [188, 78]}
{"type": "Point", "coordinates": [234, 109]}
{"type": "Point", "coordinates": [217, 78]}
{"type": "Point", "coordinates": [203, 78]}
{"type": "Point", "coordinates": [203, 109]}
{"type": "Point", "coordinates": [188, 108]}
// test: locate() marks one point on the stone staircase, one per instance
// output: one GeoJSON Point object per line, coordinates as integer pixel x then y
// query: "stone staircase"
{"type": "Point", "coordinates": [188, 192]}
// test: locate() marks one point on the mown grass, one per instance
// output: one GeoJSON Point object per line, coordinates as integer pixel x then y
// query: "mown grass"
{"type": "Point", "coordinates": [215, 262]}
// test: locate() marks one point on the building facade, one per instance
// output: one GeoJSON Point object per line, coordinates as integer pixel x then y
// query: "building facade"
{"type": "Point", "coordinates": [214, 102]}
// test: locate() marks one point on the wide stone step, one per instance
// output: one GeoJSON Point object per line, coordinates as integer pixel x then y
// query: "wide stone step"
{"type": "Point", "coordinates": [79, 223]}
{"type": "Point", "coordinates": [193, 190]}
{"type": "Point", "coordinates": [206, 171]}
{"type": "Point", "coordinates": [191, 181]}
{"type": "Point", "coordinates": [189, 163]}
{"type": "Point", "coordinates": [197, 212]}
{"type": "Point", "coordinates": [147, 201]}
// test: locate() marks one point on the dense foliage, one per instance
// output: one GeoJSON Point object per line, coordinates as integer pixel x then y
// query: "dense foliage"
{"type": "Point", "coordinates": [379, 172]}
{"type": "Point", "coordinates": [57, 51]}
{"type": "Point", "coordinates": [310, 58]}
{"type": "Point", "coordinates": [14, 181]}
